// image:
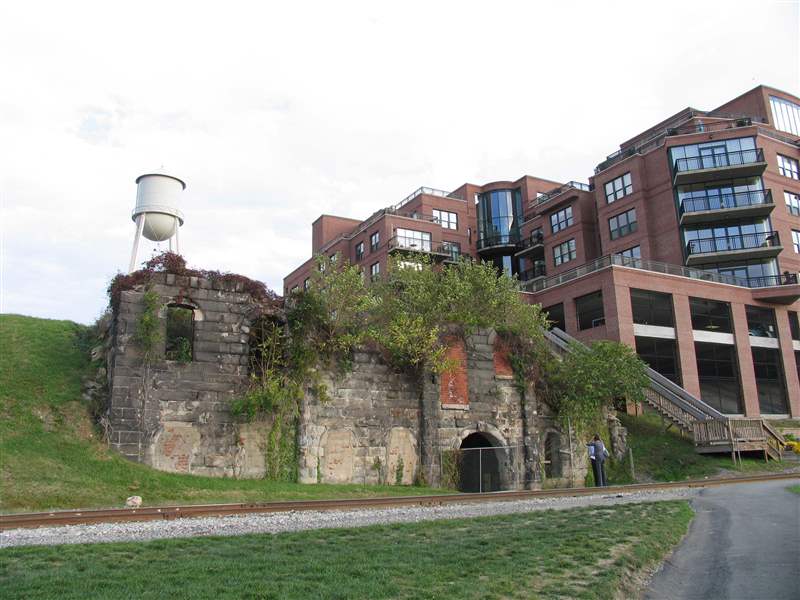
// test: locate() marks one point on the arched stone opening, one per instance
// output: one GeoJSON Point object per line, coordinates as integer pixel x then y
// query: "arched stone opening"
{"type": "Point", "coordinates": [481, 464]}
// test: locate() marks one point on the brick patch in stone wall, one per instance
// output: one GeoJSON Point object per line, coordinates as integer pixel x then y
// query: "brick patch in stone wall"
{"type": "Point", "coordinates": [454, 390]}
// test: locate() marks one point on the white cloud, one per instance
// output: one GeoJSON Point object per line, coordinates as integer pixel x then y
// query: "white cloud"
{"type": "Point", "coordinates": [276, 112]}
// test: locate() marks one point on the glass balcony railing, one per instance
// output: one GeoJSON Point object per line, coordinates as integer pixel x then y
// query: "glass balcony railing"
{"type": "Point", "coordinates": [538, 270]}
{"type": "Point", "coordinates": [722, 160]}
{"type": "Point", "coordinates": [727, 200]}
{"type": "Point", "coordinates": [498, 239]}
{"type": "Point", "coordinates": [747, 241]}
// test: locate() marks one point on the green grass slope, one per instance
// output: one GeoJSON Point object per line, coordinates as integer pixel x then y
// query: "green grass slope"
{"type": "Point", "coordinates": [50, 453]}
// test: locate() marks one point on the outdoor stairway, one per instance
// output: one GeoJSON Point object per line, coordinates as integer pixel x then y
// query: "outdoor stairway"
{"type": "Point", "coordinates": [710, 430]}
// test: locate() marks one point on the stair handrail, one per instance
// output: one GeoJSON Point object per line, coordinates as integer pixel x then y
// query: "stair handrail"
{"type": "Point", "coordinates": [773, 432]}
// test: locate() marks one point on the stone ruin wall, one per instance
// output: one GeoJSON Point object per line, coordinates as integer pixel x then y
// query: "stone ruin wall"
{"type": "Point", "coordinates": [176, 417]}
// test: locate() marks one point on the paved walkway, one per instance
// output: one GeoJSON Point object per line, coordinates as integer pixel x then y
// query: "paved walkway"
{"type": "Point", "coordinates": [743, 544]}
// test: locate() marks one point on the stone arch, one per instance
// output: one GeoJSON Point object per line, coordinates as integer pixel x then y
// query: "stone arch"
{"type": "Point", "coordinates": [337, 456]}
{"type": "Point", "coordinates": [481, 468]}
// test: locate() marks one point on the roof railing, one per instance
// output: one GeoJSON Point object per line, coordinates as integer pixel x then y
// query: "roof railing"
{"type": "Point", "coordinates": [570, 185]}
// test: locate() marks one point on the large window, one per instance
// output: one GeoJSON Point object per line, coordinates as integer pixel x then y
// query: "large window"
{"type": "Point", "coordinates": [635, 252]}
{"type": "Point", "coordinates": [555, 314]}
{"type": "Point", "coordinates": [374, 241]}
{"type": "Point", "coordinates": [660, 355]}
{"type": "Point", "coordinates": [728, 193]}
{"type": "Point", "coordinates": [619, 188]}
{"type": "Point", "coordinates": [792, 203]}
{"type": "Point", "coordinates": [623, 224]}
{"type": "Point", "coordinates": [718, 373]}
{"type": "Point", "coordinates": [590, 310]}
{"type": "Point", "coordinates": [710, 315]}
{"type": "Point", "coordinates": [785, 115]}
{"type": "Point", "coordinates": [359, 251]}
{"type": "Point", "coordinates": [449, 220]}
{"type": "Point", "coordinates": [413, 240]}
{"type": "Point", "coordinates": [652, 308]}
{"type": "Point", "coordinates": [788, 167]}
{"type": "Point", "coordinates": [564, 252]}
{"type": "Point", "coordinates": [770, 381]}
{"type": "Point", "coordinates": [717, 153]}
{"type": "Point", "coordinates": [180, 333]}
{"type": "Point", "coordinates": [453, 249]}
{"type": "Point", "coordinates": [499, 217]}
{"type": "Point", "coordinates": [796, 240]}
{"type": "Point", "coordinates": [374, 271]}
{"type": "Point", "coordinates": [794, 325]}
{"type": "Point", "coordinates": [561, 219]}
{"type": "Point", "coordinates": [761, 321]}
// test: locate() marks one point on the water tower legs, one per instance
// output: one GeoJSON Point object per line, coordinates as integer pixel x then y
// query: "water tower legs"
{"type": "Point", "coordinates": [139, 228]}
{"type": "Point", "coordinates": [177, 239]}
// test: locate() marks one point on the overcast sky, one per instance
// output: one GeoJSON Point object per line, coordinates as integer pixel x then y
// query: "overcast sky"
{"type": "Point", "coordinates": [276, 113]}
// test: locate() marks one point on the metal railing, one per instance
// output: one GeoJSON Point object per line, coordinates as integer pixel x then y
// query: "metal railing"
{"type": "Point", "coordinates": [538, 270]}
{"type": "Point", "coordinates": [498, 239]}
{"type": "Point", "coordinates": [772, 280]}
{"type": "Point", "coordinates": [745, 241]}
{"type": "Point", "coordinates": [427, 191]}
{"type": "Point", "coordinates": [531, 241]}
{"type": "Point", "coordinates": [412, 244]}
{"type": "Point", "coordinates": [736, 158]}
{"type": "Point", "coordinates": [727, 200]}
{"type": "Point", "coordinates": [570, 185]}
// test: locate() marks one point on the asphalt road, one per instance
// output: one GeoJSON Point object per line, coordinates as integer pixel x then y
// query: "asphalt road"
{"type": "Point", "coordinates": [743, 544]}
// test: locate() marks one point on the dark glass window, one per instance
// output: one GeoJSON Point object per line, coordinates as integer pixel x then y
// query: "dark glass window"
{"type": "Point", "coordinates": [359, 251]}
{"type": "Point", "coordinates": [374, 241]}
{"type": "Point", "coordinates": [564, 252]}
{"type": "Point", "coordinates": [661, 355]}
{"type": "Point", "coordinates": [306, 283]}
{"type": "Point", "coordinates": [761, 321]}
{"type": "Point", "coordinates": [623, 224]}
{"type": "Point", "coordinates": [375, 271]}
{"type": "Point", "coordinates": [499, 217]}
{"type": "Point", "coordinates": [561, 219]}
{"type": "Point", "coordinates": [770, 381]}
{"type": "Point", "coordinates": [590, 310]}
{"type": "Point", "coordinates": [718, 372]}
{"type": "Point", "coordinates": [448, 220]}
{"type": "Point", "coordinates": [618, 188]}
{"type": "Point", "coordinates": [794, 325]}
{"type": "Point", "coordinates": [632, 253]}
{"type": "Point", "coordinates": [710, 315]}
{"type": "Point", "coordinates": [652, 308]}
{"type": "Point", "coordinates": [797, 362]}
{"type": "Point", "coordinates": [555, 314]}
{"type": "Point", "coordinates": [453, 249]}
{"type": "Point", "coordinates": [180, 333]}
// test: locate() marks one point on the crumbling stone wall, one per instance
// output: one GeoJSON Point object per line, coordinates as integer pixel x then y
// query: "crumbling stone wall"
{"type": "Point", "coordinates": [176, 416]}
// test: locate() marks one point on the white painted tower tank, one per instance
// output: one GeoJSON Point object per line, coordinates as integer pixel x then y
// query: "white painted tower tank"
{"type": "Point", "coordinates": [156, 215]}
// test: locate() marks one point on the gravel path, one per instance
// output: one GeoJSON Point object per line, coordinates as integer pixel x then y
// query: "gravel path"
{"type": "Point", "coordinates": [303, 520]}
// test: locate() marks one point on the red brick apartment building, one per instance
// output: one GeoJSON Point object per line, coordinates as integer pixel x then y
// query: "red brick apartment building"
{"type": "Point", "coordinates": [685, 245]}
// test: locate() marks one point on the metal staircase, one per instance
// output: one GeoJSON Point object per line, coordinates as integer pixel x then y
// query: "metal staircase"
{"type": "Point", "coordinates": [711, 430]}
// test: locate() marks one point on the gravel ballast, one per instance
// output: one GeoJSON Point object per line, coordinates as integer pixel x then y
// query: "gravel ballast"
{"type": "Point", "coordinates": [304, 520]}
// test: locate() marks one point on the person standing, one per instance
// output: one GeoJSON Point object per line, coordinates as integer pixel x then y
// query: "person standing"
{"type": "Point", "coordinates": [593, 459]}
{"type": "Point", "coordinates": [600, 456]}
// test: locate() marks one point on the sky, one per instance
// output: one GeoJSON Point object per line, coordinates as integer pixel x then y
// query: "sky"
{"type": "Point", "coordinates": [274, 113]}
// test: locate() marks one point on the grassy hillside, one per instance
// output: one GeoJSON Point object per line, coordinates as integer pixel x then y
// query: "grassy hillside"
{"type": "Point", "coordinates": [50, 454]}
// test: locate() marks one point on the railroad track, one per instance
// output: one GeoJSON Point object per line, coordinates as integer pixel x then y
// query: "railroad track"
{"type": "Point", "coordinates": [118, 515]}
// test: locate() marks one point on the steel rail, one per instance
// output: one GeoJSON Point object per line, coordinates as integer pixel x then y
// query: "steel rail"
{"type": "Point", "coordinates": [118, 515]}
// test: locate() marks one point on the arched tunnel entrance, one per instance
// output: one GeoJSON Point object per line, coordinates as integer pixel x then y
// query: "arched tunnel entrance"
{"type": "Point", "coordinates": [479, 469]}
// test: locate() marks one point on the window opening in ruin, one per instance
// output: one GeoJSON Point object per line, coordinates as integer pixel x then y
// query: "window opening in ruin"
{"type": "Point", "coordinates": [180, 333]}
{"type": "Point", "coordinates": [479, 467]}
{"type": "Point", "coordinates": [552, 455]}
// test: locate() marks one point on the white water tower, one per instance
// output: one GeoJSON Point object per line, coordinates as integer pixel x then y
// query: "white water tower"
{"type": "Point", "coordinates": [156, 214]}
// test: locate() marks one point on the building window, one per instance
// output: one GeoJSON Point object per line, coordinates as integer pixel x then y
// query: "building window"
{"type": "Point", "coordinates": [306, 284]}
{"type": "Point", "coordinates": [446, 219]}
{"type": "Point", "coordinates": [180, 333]}
{"type": "Point", "coordinates": [623, 224]}
{"type": "Point", "coordinates": [635, 252]}
{"type": "Point", "coordinates": [660, 355]}
{"type": "Point", "coordinates": [761, 321]}
{"type": "Point", "coordinates": [619, 188]}
{"type": "Point", "coordinates": [453, 249]}
{"type": "Point", "coordinates": [537, 236]}
{"type": "Point", "coordinates": [334, 257]}
{"type": "Point", "coordinates": [788, 167]}
{"type": "Point", "coordinates": [499, 217]}
{"type": "Point", "coordinates": [564, 253]}
{"type": "Point", "coordinates": [794, 325]}
{"type": "Point", "coordinates": [770, 381]}
{"type": "Point", "coordinates": [413, 240]}
{"type": "Point", "coordinates": [375, 271]}
{"type": "Point", "coordinates": [652, 308]}
{"type": "Point", "coordinates": [718, 153]}
{"type": "Point", "coordinates": [590, 310]}
{"type": "Point", "coordinates": [374, 241]}
{"type": "Point", "coordinates": [710, 315]}
{"type": "Point", "coordinates": [718, 373]}
{"type": "Point", "coordinates": [792, 203]}
{"type": "Point", "coordinates": [561, 219]}
{"type": "Point", "coordinates": [295, 289]}
{"type": "Point", "coordinates": [359, 251]}
{"type": "Point", "coordinates": [785, 115]}
{"type": "Point", "coordinates": [796, 240]}
{"type": "Point", "coordinates": [555, 315]}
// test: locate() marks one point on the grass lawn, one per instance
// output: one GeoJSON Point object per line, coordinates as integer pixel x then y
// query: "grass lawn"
{"type": "Point", "coordinates": [794, 488]}
{"type": "Point", "coordinates": [50, 454]}
{"type": "Point", "coordinates": [666, 456]}
{"type": "Point", "coordinates": [578, 553]}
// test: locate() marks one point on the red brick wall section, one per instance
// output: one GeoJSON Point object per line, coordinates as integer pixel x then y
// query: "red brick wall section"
{"type": "Point", "coordinates": [453, 389]}
{"type": "Point", "coordinates": [502, 363]}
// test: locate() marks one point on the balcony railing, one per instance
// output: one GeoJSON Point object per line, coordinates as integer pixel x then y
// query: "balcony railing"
{"type": "Point", "coordinates": [538, 270]}
{"type": "Point", "coordinates": [531, 241]}
{"type": "Point", "coordinates": [746, 241]}
{"type": "Point", "coordinates": [723, 201]}
{"type": "Point", "coordinates": [735, 158]}
{"type": "Point", "coordinates": [412, 244]}
{"type": "Point", "coordinates": [498, 239]}
{"type": "Point", "coordinates": [570, 185]}
{"type": "Point", "coordinates": [427, 191]}
{"type": "Point", "coordinates": [653, 266]}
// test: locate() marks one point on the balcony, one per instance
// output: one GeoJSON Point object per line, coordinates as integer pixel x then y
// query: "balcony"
{"type": "Point", "coordinates": [780, 289]}
{"type": "Point", "coordinates": [570, 185]}
{"type": "Point", "coordinates": [733, 247]}
{"type": "Point", "coordinates": [409, 245]}
{"type": "Point", "coordinates": [531, 246]}
{"type": "Point", "coordinates": [498, 243]}
{"type": "Point", "coordinates": [722, 207]}
{"type": "Point", "coordinates": [538, 271]}
{"type": "Point", "coordinates": [725, 165]}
